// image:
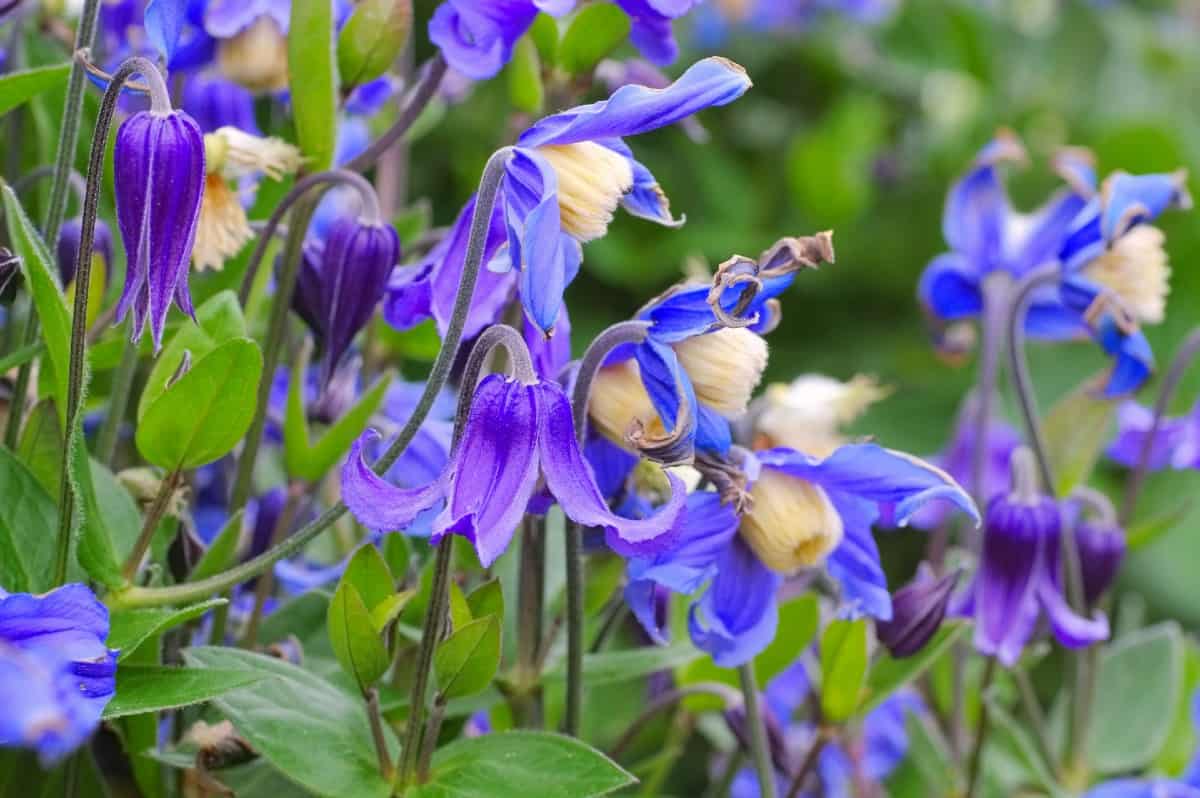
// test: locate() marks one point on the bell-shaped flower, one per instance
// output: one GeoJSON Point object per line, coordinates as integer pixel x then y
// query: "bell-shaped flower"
{"type": "Point", "coordinates": [918, 610]}
{"type": "Point", "coordinates": [1176, 441]}
{"type": "Point", "coordinates": [251, 41]}
{"type": "Point", "coordinates": [805, 512]}
{"type": "Point", "coordinates": [159, 174]}
{"type": "Point", "coordinates": [1101, 551]}
{"type": "Point", "coordinates": [514, 432]}
{"type": "Point", "coordinates": [56, 673]}
{"type": "Point", "coordinates": [563, 182]}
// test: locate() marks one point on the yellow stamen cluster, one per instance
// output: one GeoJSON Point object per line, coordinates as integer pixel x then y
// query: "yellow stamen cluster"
{"type": "Point", "coordinates": [619, 403]}
{"type": "Point", "coordinates": [592, 179]}
{"type": "Point", "coordinates": [791, 524]}
{"type": "Point", "coordinates": [809, 413]}
{"type": "Point", "coordinates": [1136, 271]}
{"type": "Point", "coordinates": [222, 229]}
{"type": "Point", "coordinates": [256, 57]}
{"type": "Point", "coordinates": [239, 153]}
{"type": "Point", "coordinates": [725, 367]}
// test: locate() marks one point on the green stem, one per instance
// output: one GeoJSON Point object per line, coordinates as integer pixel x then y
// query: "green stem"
{"type": "Point", "coordinates": [154, 514]}
{"type": "Point", "coordinates": [122, 385]}
{"type": "Point", "coordinates": [756, 730]}
{"type": "Point", "coordinates": [975, 768]}
{"type": "Point", "coordinates": [379, 736]}
{"type": "Point", "coordinates": [438, 376]}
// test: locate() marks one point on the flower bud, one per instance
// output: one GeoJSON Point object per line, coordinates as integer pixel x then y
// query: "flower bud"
{"type": "Point", "coordinates": [791, 524]}
{"type": "Point", "coordinates": [256, 57]}
{"type": "Point", "coordinates": [67, 248]}
{"type": "Point", "coordinates": [619, 403]}
{"type": "Point", "coordinates": [1101, 552]}
{"type": "Point", "coordinates": [918, 609]}
{"type": "Point", "coordinates": [338, 296]}
{"type": "Point", "coordinates": [592, 180]}
{"type": "Point", "coordinates": [725, 367]}
{"type": "Point", "coordinates": [159, 180]}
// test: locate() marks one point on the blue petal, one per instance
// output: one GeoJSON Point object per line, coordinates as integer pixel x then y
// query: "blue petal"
{"type": "Point", "coordinates": [668, 386]}
{"type": "Point", "coordinates": [737, 617]}
{"type": "Point", "coordinates": [1133, 359]}
{"type": "Point", "coordinates": [547, 257]}
{"type": "Point", "coordinates": [164, 23]}
{"type": "Point", "coordinates": [949, 288]}
{"type": "Point", "coordinates": [977, 209]}
{"type": "Point", "coordinates": [855, 562]}
{"type": "Point", "coordinates": [376, 503]}
{"type": "Point", "coordinates": [1130, 200]}
{"type": "Point", "coordinates": [646, 199]}
{"type": "Point", "coordinates": [1142, 788]}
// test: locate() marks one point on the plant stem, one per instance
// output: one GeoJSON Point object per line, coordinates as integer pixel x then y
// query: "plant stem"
{"type": "Point", "coordinates": [266, 581]}
{"type": "Point", "coordinates": [432, 732]}
{"type": "Point", "coordinates": [810, 762]}
{"type": "Point", "coordinates": [1037, 718]}
{"type": "Point", "coordinates": [760, 752]}
{"type": "Point", "coordinates": [379, 735]}
{"type": "Point", "coordinates": [1022, 297]}
{"type": "Point", "coordinates": [431, 77]}
{"type": "Point", "coordinates": [431, 635]}
{"type": "Point", "coordinates": [981, 729]}
{"type": "Point", "coordinates": [122, 384]}
{"type": "Point", "coordinates": [531, 589]}
{"type": "Point", "coordinates": [76, 377]}
{"type": "Point", "coordinates": [667, 700]}
{"type": "Point", "coordinates": [997, 292]}
{"type": "Point", "coordinates": [154, 514]}
{"type": "Point", "coordinates": [438, 375]}
{"type": "Point", "coordinates": [1184, 356]}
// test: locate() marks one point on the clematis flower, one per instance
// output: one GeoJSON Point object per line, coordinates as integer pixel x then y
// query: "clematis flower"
{"type": "Point", "coordinates": [1101, 552]}
{"type": "Point", "coordinates": [215, 102]}
{"type": "Point", "coordinates": [514, 431]}
{"type": "Point", "coordinates": [918, 610]}
{"type": "Point", "coordinates": [159, 179]}
{"type": "Point", "coordinates": [651, 26]}
{"type": "Point", "coordinates": [1019, 576]}
{"type": "Point", "coordinates": [251, 41]}
{"type": "Point", "coordinates": [805, 512]}
{"type": "Point", "coordinates": [1115, 272]}
{"type": "Point", "coordinates": [563, 182]}
{"type": "Point", "coordinates": [476, 37]}
{"type": "Point", "coordinates": [1176, 443]}
{"type": "Point", "coordinates": [56, 674]}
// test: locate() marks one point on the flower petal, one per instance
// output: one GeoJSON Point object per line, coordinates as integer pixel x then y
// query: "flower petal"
{"type": "Point", "coordinates": [977, 208]}
{"type": "Point", "coordinates": [949, 288]}
{"type": "Point", "coordinates": [375, 502]}
{"type": "Point", "coordinates": [737, 617]}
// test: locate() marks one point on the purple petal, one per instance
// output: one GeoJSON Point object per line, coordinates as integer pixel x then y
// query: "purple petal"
{"type": "Point", "coordinates": [977, 208]}
{"type": "Point", "coordinates": [376, 503]}
{"type": "Point", "coordinates": [949, 288]}
{"type": "Point", "coordinates": [493, 289]}
{"type": "Point", "coordinates": [737, 618]}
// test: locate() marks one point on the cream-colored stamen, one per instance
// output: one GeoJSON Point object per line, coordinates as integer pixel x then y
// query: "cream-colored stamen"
{"type": "Point", "coordinates": [791, 524]}
{"type": "Point", "coordinates": [222, 229]}
{"type": "Point", "coordinates": [592, 179]}
{"type": "Point", "coordinates": [619, 403]}
{"type": "Point", "coordinates": [256, 57]}
{"type": "Point", "coordinates": [1136, 270]}
{"type": "Point", "coordinates": [808, 414]}
{"type": "Point", "coordinates": [725, 367]}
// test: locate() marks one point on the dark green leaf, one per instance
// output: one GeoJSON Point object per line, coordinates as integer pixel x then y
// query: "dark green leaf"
{"type": "Point", "coordinates": [16, 88]}
{"type": "Point", "coordinates": [128, 629]}
{"type": "Point", "coordinates": [152, 688]}
{"type": "Point", "coordinates": [525, 89]}
{"type": "Point", "coordinates": [204, 414]}
{"type": "Point", "coordinates": [397, 553]}
{"type": "Point", "coordinates": [889, 674]}
{"type": "Point", "coordinates": [520, 765]}
{"type": "Point", "coordinates": [356, 643]}
{"type": "Point", "coordinates": [222, 552]}
{"type": "Point", "coordinates": [595, 32]}
{"type": "Point", "coordinates": [28, 529]}
{"type": "Point", "coordinates": [311, 731]}
{"type": "Point", "coordinates": [1077, 430]}
{"type": "Point", "coordinates": [314, 87]}
{"type": "Point", "coordinates": [372, 38]}
{"type": "Point", "coordinates": [466, 661]}
{"type": "Point", "coordinates": [111, 526]}
{"type": "Point", "coordinates": [40, 448]}
{"type": "Point", "coordinates": [843, 668]}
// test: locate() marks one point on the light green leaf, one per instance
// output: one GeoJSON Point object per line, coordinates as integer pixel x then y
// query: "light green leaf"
{"type": "Point", "coordinates": [356, 643]}
{"type": "Point", "coordinates": [111, 525]}
{"type": "Point", "coordinates": [222, 552]}
{"type": "Point", "coordinates": [1077, 428]}
{"type": "Point", "coordinates": [611, 667]}
{"type": "Point", "coordinates": [204, 414]}
{"type": "Point", "coordinates": [153, 688]}
{"type": "Point", "coordinates": [466, 661]}
{"type": "Point", "coordinates": [525, 89]}
{"type": "Point", "coordinates": [843, 668]}
{"type": "Point", "coordinates": [28, 529]}
{"type": "Point", "coordinates": [460, 611]}
{"type": "Point", "coordinates": [128, 629]}
{"type": "Point", "coordinates": [1180, 747]}
{"type": "Point", "coordinates": [314, 733]}
{"type": "Point", "coordinates": [487, 599]}
{"type": "Point", "coordinates": [520, 765]}
{"type": "Point", "coordinates": [798, 621]}
{"type": "Point", "coordinates": [40, 448]}
{"type": "Point", "coordinates": [389, 609]}
{"type": "Point", "coordinates": [16, 88]}
{"type": "Point", "coordinates": [1139, 684]}
{"type": "Point", "coordinates": [370, 576]}
{"type": "Point", "coordinates": [314, 87]}
{"type": "Point", "coordinates": [889, 674]}
{"type": "Point", "coordinates": [595, 31]}
{"type": "Point", "coordinates": [544, 32]}
{"type": "Point", "coordinates": [372, 38]}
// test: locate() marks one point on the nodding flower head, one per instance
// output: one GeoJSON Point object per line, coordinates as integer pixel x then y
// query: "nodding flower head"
{"type": "Point", "coordinates": [725, 367]}
{"type": "Point", "coordinates": [257, 56]}
{"type": "Point", "coordinates": [791, 524]}
{"type": "Point", "coordinates": [918, 610]}
{"type": "Point", "coordinates": [159, 176]}
{"type": "Point", "coordinates": [592, 181]}
{"type": "Point", "coordinates": [1101, 551]}
{"type": "Point", "coordinates": [620, 407]}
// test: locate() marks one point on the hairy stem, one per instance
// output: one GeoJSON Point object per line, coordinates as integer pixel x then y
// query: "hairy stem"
{"type": "Point", "coordinates": [431, 77]}
{"type": "Point", "coordinates": [431, 635]}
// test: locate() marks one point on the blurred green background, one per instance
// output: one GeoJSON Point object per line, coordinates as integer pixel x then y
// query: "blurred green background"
{"type": "Point", "coordinates": [861, 129]}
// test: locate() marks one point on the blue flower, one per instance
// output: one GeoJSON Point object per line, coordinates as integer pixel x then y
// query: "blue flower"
{"type": "Point", "coordinates": [251, 41]}
{"type": "Point", "coordinates": [476, 37]}
{"type": "Point", "coordinates": [805, 511]}
{"type": "Point", "coordinates": [1176, 442]}
{"type": "Point", "coordinates": [56, 674]}
{"type": "Point", "coordinates": [563, 182]}
{"type": "Point", "coordinates": [651, 26]}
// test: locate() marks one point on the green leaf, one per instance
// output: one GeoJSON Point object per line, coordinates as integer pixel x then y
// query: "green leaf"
{"type": "Point", "coordinates": [370, 576]}
{"type": "Point", "coordinates": [466, 661]}
{"type": "Point", "coordinates": [389, 609]}
{"type": "Point", "coordinates": [1077, 429]}
{"type": "Point", "coordinates": [525, 89]}
{"type": "Point", "coordinates": [314, 733]}
{"type": "Point", "coordinates": [612, 667]}
{"type": "Point", "coordinates": [1020, 741]}
{"type": "Point", "coordinates": [520, 765]}
{"type": "Point", "coordinates": [111, 524]}
{"type": "Point", "coordinates": [487, 599]}
{"type": "Point", "coordinates": [397, 553]}
{"type": "Point", "coordinates": [544, 33]}
{"type": "Point", "coordinates": [843, 668]}
{"type": "Point", "coordinates": [606, 574]}
{"type": "Point", "coordinates": [1139, 684]}
{"type": "Point", "coordinates": [16, 88]}
{"type": "Point", "coordinates": [314, 87]}
{"type": "Point", "coordinates": [128, 629]}
{"type": "Point", "coordinates": [798, 622]}
{"type": "Point", "coordinates": [596, 31]}
{"type": "Point", "coordinates": [204, 414]}
{"type": "Point", "coordinates": [356, 643]}
{"type": "Point", "coordinates": [1145, 531]}
{"type": "Point", "coordinates": [889, 674]}
{"type": "Point", "coordinates": [222, 552]}
{"type": "Point", "coordinates": [40, 448]}
{"type": "Point", "coordinates": [152, 688]}
{"type": "Point", "coordinates": [310, 462]}
{"type": "Point", "coordinates": [28, 529]}
{"type": "Point", "coordinates": [372, 38]}
{"type": "Point", "coordinates": [1180, 747]}
{"type": "Point", "coordinates": [460, 611]}
{"type": "Point", "coordinates": [219, 320]}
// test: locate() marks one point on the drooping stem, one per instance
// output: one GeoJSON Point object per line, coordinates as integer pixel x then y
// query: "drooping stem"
{"type": "Point", "coordinates": [809, 764]}
{"type": "Point", "coordinates": [760, 751]}
{"type": "Point", "coordinates": [997, 291]}
{"type": "Point", "coordinates": [122, 384]}
{"type": "Point", "coordinates": [531, 587]}
{"type": "Point", "coordinates": [158, 508]}
{"type": "Point", "coordinates": [83, 278]}
{"type": "Point", "coordinates": [438, 375]}
{"type": "Point", "coordinates": [726, 694]}
{"type": "Point", "coordinates": [427, 86]}
{"type": "Point", "coordinates": [974, 767]}
{"type": "Point", "coordinates": [431, 635]}
{"type": "Point", "coordinates": [593, 359]}
{"type": "Point", "coordinates": [1184, 356]}
{"type": "Point", "coordinates": [1022, 297]}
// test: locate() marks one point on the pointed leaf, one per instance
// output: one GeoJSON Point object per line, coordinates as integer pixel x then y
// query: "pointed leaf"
{"type": "Point", "coordinates": [128, 629]}
{"type": "Point", "coordinates": [843, 668]}
{"type": "Point", "coordinates": [487, 599]}
{"type": "Point", "coordinates": [28, 529]}
{"type": "Point", "coordinates": [17, 88]}
{"type": "Point", "coordinates": [466, 661]}
{"type": "Point", "coordinates": [389, 609]}
{"type": "Point", "coordinates": [356, 644]}
{"type": "Point", "coordinates": [153, 688]}
{"type": "Point", "coordinates": [315, 87]}
{"type": "Point", "coordinates": [370, 576]}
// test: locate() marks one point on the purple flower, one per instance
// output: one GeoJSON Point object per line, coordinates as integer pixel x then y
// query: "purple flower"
{"type": "Point", "coordinates": [159, 178]}
{"type": "Point", "coordinates": [514, 431]}
{"type": "Point", "coordinates": [918, 609]}
{"type": "Point", "coordinates": [1101, 551]}
{"type": "Point", "coordinates": [67, 248]}
{"type": "Point", "coordinates": [215, 102]}
{"type": "Point", "coordinates": [806, 511]}
{"type": "Point", "coordinates": [252, 41]}
{"type": "Point", "coordinates": [342, 281]}
{"type": "Point", "coordinates": [651, 26]}
{"type": "Point", "coordinates": [1018, 580]}
{"type": "Point", "coordinates": [1176, 442]}
{"type": "Point", "coordinates": [564, 180]}
{"type": "Point", "coordinates": [1143, 788]}
{"type": "Point", "coordinates": [476, 37]}
{"type": "Point", "coordinates": [56, 674]}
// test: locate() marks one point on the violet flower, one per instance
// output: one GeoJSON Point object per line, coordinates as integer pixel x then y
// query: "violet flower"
{"type": "Point", "coordinates": [918, 609]}
{"type": "Point", "coordinates": [564, 180]}
{"type": "Point", "coordinates": [514, 431]}
{"type": "Point", "coordinates": [251, 41]}
{"type": "Point", "coordinates": [66, 250]}
{"type": "Point", "coordinates": [1101, 551]}
{"type": "Point", "coordinates": [215, 102]}
{"type": "Point", "coordinates": [1176, 442]}
{"type": "Point", "coordinates": [159, 179]}
{"type": "Point", "coordinates": [56, 674]}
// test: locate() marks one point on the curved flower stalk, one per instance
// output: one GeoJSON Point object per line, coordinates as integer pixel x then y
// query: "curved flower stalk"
{"type": "Point", "coordinates": [56, 674]}
{"type": "Point", "coordinates": [516, 429]}
{"type": "Point", "coordinates": [805, 512]}
{"type": "Point", "coordinates": [562, 184]}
